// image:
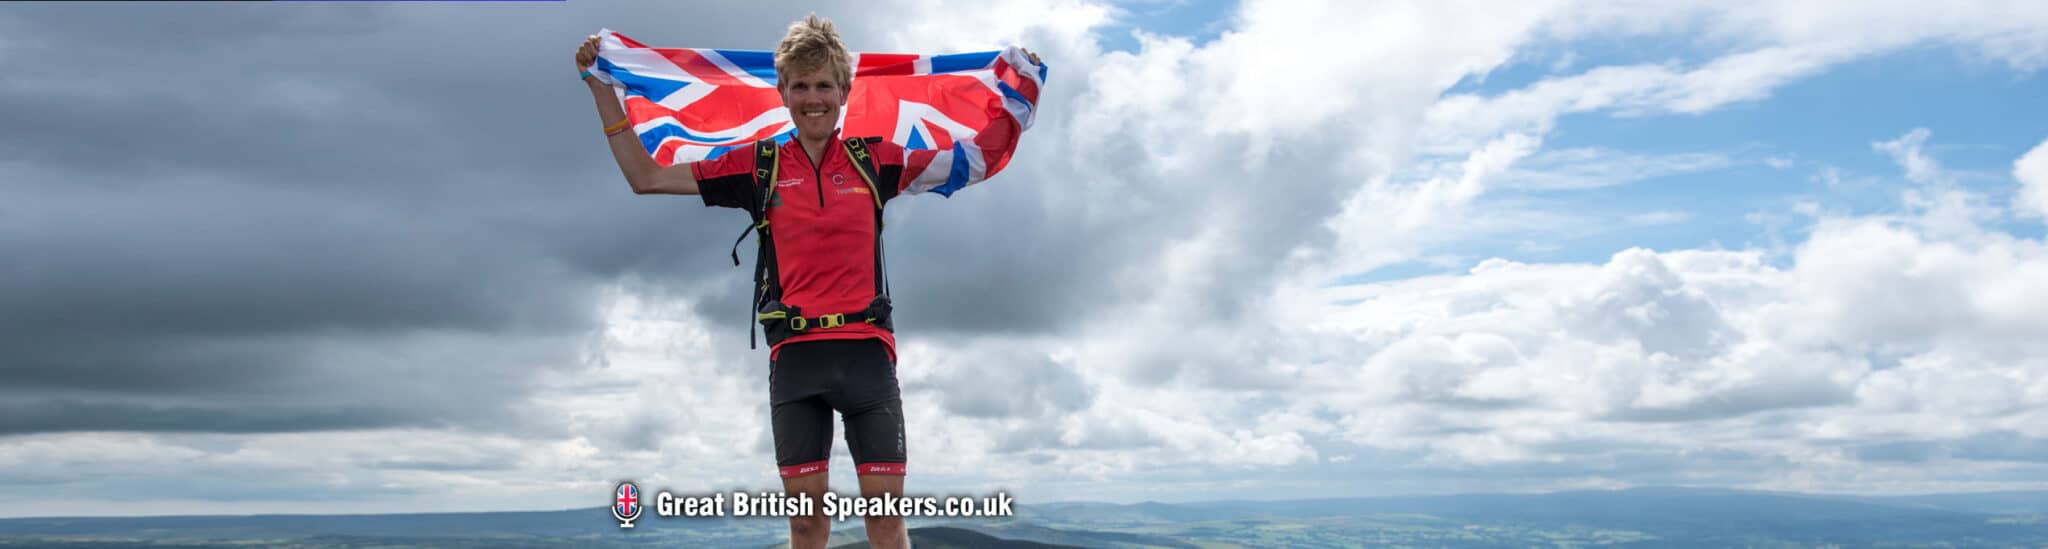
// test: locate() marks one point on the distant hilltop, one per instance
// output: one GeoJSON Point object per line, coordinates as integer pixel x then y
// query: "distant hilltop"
{"type": "Point", "coordinates": [1644, 517]}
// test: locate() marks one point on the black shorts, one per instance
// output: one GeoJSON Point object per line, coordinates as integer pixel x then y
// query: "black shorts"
{"type": "Point", "coordinates": [809, 379]}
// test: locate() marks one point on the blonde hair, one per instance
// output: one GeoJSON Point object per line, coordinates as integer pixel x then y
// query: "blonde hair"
{"type": "Point", "coordinates": [812, 44]}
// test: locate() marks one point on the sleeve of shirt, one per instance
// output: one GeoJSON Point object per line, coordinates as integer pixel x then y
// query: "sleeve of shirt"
{"type": "Point", "coordinates": [889, 169]}
{"type": "Point", "coordinates": [727, 181]}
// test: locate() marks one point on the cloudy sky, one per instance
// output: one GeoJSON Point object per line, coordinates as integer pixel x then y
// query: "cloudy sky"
{"type": "Point", "coordinates": [354, 257]}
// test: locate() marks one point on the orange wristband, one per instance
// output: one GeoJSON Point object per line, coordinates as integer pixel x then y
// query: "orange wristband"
{"type": "Point", "coordinates": [614, 129]}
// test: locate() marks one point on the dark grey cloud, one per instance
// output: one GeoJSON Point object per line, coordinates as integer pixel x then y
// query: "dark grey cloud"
{"type": "Point", "coordinates": [20, 416]}
{"type": "Point", "coordinates": [1048, 436]}
{"type": "Point", "coordinates": [232, 484]}
{"type": "Point", "coordinates": [1744, 400]}
{"type": "Point", "coordinates": [203, 197]}
{"type": "Point", "coordinates": [1234, 357]}
{"type": "Point", "coordinates": [1004, 380]}
{"type": "Point", "coordinates": [1000, 257]}
{"type": "Point", "coordinates": [240, 218]}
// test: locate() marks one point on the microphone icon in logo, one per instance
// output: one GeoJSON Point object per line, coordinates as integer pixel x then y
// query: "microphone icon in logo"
{"type": "Point", "coordinates": [626, 507]}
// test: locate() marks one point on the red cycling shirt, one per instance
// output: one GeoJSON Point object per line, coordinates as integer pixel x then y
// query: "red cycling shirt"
{"type": "Point", "coordinates": [823, 220]}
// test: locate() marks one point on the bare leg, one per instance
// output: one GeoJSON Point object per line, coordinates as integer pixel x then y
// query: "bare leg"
{"type": "Point", "coordinates": [884, 532]}
{"type": "Point", "coordinates": [812, 531]}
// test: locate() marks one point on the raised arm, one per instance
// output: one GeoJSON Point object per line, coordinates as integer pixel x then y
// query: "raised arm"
{"type": "Point", "coordinates": [642, 173]}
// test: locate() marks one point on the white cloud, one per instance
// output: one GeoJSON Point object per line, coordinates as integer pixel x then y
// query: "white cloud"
{"type": "Point", "coordinates": [1772, 45]}
{"type": "Point", "coordinates": [1217, 348]}
{"type": "Point", "coordinates": [1059, 31]}
{"type": "Point", "coordinates": [1660, 217]}
{"type": "Point", "coordinates": [1875, 330]}
{"type": "Point", "coordinates": [1384, 223]}
{"type": "Point", "coordinates": [1592, 167]}
{"type": "Point", "coordinates": [319, 472]}
{"type": "Point", "coordinates": [1373, 67]}
{"type": "Point", "coordinates": [2032, 172]}
{"type": "Point", "coordinates": [1647, 354]}
{"type": "Point", "coordinates": [1906, 150]}
{"type": "Point", "coordinates": [1564, 62]}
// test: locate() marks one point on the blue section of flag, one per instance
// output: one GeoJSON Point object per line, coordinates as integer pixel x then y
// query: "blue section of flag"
{"type": "Point", "coordinates": [760, 64]}
{"type": "Point", "coordinates": [958, 178]}
{"type": "Point", "coordinates": [1012, 94]}
{"type": "Point", "coordinates": [917, 142]}
{"type": "Point", "coordinates": [648, 87]}
{"type": "Point", "coordinates": [957, 62]}
{"type": "Point", "coordinates": [717, 151]}
{"type": "Point", "coordinates": [651, 138]}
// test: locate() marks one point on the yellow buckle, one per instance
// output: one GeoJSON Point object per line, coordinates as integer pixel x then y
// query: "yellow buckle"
{"type": "Point", "coordinates": [797, 323]}
{"type": "Point", "coordinates": [830, 321]}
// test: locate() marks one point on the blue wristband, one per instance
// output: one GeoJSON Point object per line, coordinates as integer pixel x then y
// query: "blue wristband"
{"type": "Point", "coordinates": [584, 75]}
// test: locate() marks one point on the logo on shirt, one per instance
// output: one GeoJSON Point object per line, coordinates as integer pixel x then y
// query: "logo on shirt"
{"type": "Point", "coordinates": [789, 182]}
{"type": "Point", "coordinates": [838, 179]}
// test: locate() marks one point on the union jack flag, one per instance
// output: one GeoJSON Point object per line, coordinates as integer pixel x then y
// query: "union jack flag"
{"type": "Point", "coordinates": [959, 115]}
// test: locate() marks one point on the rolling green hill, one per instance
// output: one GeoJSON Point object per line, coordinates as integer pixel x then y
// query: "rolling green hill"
{"type": "Point", "coordinates": [940, 537]}
{"type": "Point", "coordinates": [1646, 517]}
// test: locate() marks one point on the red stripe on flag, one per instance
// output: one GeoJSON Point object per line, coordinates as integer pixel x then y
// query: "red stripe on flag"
{"type": "Point", "coordinates": [886, 64]}
{"type": "Point", "coordinates": [915, 165]}
{"type": "Point", "coordinates": [998, 139]}
{"type": "Point", "coordinates": [666, 153]}
{"type": "Point", "coordinates": [702, 68]}
{"type": "Point", "coordinates": [1008, 74]}
{"type": "Point", "coordinates": [630, 43]}
{"type": "Point", "coordinates": [937, 137]}
{"type": "Point", "coordinates": [640, 109]}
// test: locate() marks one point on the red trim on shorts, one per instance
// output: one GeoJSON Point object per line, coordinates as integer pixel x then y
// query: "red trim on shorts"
{"type": "Point", "coordinates": [879, 469]}
{"type": "Point", "coordinates": [888, 340]}
{"type": "Point", "coordinates": [802, 469]}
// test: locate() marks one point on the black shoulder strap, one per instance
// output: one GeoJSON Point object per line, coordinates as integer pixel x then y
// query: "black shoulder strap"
{"type": "Point", "coordinates": [764, 192]}
{"type": "Point", "coordinates": [890, 190]}
{"type": "Point", "coordinates": [765, 170]}
{"type": "Point", "coordinates": [857, 150]}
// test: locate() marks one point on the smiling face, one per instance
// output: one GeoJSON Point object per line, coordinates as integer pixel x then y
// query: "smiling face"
{"type": "Point", "coordinates": [814, 99]}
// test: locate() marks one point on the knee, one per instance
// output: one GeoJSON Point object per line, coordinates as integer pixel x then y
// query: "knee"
{"type": "Point", "coordinates": [809, 526]}
{"type": "Point", "coordinates": [884, 524]}
{"type": "Point", "coordinates": [887, 533]}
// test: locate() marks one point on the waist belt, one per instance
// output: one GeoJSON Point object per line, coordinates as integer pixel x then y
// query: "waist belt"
{"type": "Point", "coordinates": [780, 322]}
